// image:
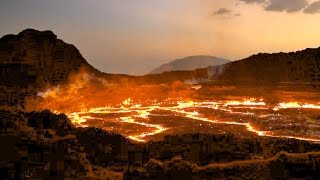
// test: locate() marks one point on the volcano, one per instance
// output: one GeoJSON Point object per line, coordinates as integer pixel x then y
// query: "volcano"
{"type": "Point", "coordinates": [257, 117]}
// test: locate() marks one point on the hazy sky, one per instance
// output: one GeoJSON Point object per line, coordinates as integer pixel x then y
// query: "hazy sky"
{"type": "Point", "coordinates": [120, 36]}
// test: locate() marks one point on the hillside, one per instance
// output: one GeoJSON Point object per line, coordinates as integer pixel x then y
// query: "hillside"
{"type": "Point", "coordinates": [190, 63]}
{"type": "Point", "coordinates": [294, 67]}
{"type": "Point", "coordinates": [38, 57]}
{"type": "Point", "coordinates": [34, 59]}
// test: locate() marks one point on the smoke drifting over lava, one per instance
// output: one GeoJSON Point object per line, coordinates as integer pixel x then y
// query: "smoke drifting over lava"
{"type": "Point", "coordinates": [85, 91]}
{"type": "Point", "coordinates": [147, 111]}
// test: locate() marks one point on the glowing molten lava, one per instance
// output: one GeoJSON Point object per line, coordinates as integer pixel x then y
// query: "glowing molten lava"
{"type": "Point", "coordinates": [132, 113]}
{"type": "Point", "coordinates": [148, 112]}
{"type": "Point", "coordinates": [296, 105]}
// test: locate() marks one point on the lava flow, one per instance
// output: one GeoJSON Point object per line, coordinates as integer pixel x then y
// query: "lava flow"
{"type": "Point", "coordinates": [152, 112]}
{"type": "Point", "coordinates": [235, 113]}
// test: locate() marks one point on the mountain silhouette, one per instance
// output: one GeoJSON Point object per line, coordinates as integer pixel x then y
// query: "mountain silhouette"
{"type": "Point", "coordinates": [190, 63]}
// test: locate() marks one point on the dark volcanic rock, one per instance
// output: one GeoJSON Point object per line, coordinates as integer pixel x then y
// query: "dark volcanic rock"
{"type": "Point", "coordinates": [281, 166]}
{"type": "Point", "coordinates": [301, 66]}
{"type": "Point", "coordinates": [26, 150]}
{"type": "Point", "coordinates": [262, 69]}
{"type": "Point", "coordinates": [103, 148]}
{"type": "Point", "coordinates": [49, 120]}
{"type": "Point", "coordinates": [90, 152]}
{"type": "Point", "coordinates": [32, 60]}
{"type": "Point", "coordinates": [226, 157]}
{"type": "Point", "coordinates": [45, 58]}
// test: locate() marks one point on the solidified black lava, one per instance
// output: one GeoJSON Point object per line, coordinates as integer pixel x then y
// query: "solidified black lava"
{"type": "Point", "coordinates": [33, 146]}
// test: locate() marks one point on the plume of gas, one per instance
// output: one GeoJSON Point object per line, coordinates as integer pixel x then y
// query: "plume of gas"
{"type": "Point", "coordinates": [65, 97]}
{"type": "Point", "coordinates": [85, 90]}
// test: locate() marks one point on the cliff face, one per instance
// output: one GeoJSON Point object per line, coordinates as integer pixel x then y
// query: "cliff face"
{"type": "Point", "coordinates": [33, 59]}
{"type": "Point", "coordinates": [40, 58]}
{"type": "Point", "coordinates": [301, 66]}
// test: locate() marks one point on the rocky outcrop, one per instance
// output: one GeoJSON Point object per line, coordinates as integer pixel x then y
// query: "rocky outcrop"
{"type": "Point", "coordinates": [33, 148]}
{"type": "Point", "coordinates": [47, 120]}
{"type": "Point", "coordinates": [224, 156]}
{"type": "Point", "coordinates": [294, 67]}
{"type": "Point", "coordinates": [40, 56]}
{"type": "Point", "coordinates": [45, 145]}
{"type": "Point", "coordinates": [34, 59]}
{"type": "Point", "coordinates": [282, 166]}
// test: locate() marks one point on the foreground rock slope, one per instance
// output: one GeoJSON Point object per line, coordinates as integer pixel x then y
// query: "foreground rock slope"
{"type": "Point", "coordinates": [46, 145]}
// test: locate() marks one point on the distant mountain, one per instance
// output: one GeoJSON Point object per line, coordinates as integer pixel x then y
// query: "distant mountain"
{"type": "Point", "coordinates": [190, 63]}
{"type": "Point", "coordinates": [302, 67]}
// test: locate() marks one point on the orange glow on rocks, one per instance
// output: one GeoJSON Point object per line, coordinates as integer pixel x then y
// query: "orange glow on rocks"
{"type": "Point", "coordinates": [147, 112]}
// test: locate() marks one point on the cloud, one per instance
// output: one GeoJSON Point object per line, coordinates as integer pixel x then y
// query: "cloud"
{"type": "Point", "coordinates": [289, 6]}
{"type": "Point", "coordinates": [253, 1]}
{"type": "Point", "coordinates": [226, 13]}
{"type": "Point", "coordinates": [313, 8]}
{"type": "Point", "coordinates": [222, 11]}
